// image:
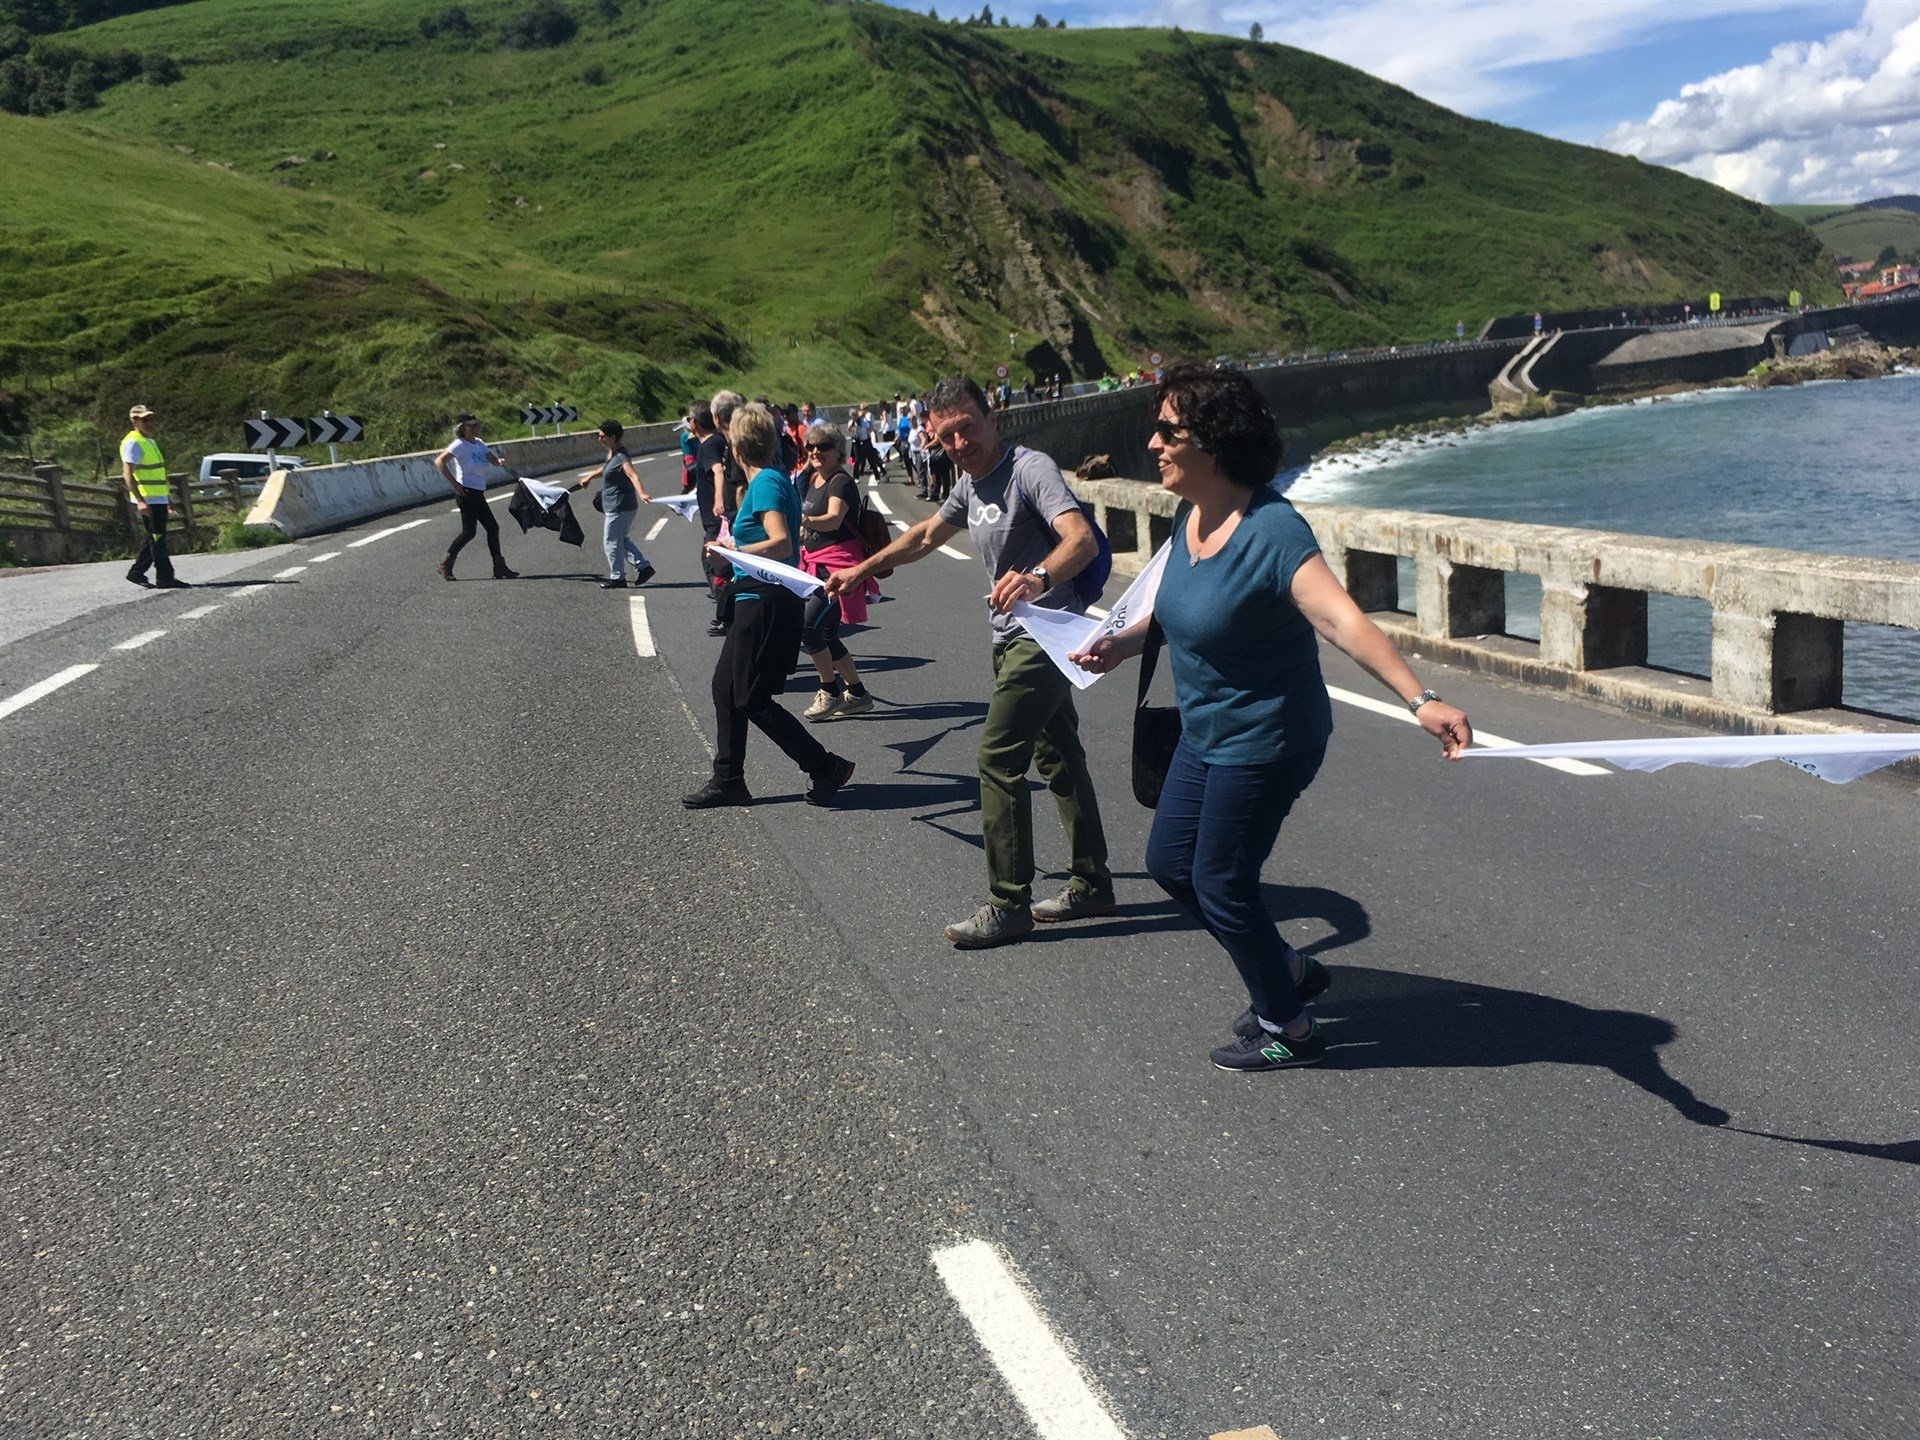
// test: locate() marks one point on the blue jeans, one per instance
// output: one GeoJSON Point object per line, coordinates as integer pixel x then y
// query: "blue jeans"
{"type": "Point", "coordinates": [1212, 831]}
{"type": "Point", "coordinates": [619, 547]}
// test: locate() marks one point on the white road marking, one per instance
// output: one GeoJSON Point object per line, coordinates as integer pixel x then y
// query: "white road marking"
{"type": "Point", "coordinates": [658, 526]}
{"type": "Point", "coordinates": [1096, 612]}
{"type": "Point", "coordinates": [290, 572]}
{"type": "Point", "coordinates": [196, 614]}
{"type": "Point", "coordinates": [956, 554]}
{"type": "Point", "coordinates": [250, 590]}
{"type": "Point", "coordinates": [45, 688]}
{"type": "Point", "coordinates": [330, 555]}
{"type": "Point", "coordinates": [1050, 1387]}
{"type": "Point", "coordinates": [382, 534]}
{"type": "Point", "coordinates": [146, 637]}
{"type": "Point", "coordinates": [642, 633]}
{"type": "Point", "coordinates": [494, 501]}
{"type": "Point", "coordinates": [881, 505]}
{"type": "Point", "coordinates": [1480, 737]}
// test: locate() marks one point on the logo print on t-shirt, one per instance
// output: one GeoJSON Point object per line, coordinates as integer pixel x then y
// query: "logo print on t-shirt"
{"type": "Point", "coordinates": [985, 514]}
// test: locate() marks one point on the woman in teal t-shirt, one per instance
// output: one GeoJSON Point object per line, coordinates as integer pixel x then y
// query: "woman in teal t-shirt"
{"type": "Point", "coordinates": [1243, 597]}
{"type": "Point", "coordinates": [763, 642]}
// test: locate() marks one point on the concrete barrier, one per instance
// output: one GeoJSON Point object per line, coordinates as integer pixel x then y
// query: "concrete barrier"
{"type": "Point", "coordinates": [317, 498]}
{"type": "Point", "coordinates": [1779, 616]}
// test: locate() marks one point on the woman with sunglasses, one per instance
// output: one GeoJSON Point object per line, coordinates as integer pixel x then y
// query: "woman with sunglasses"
{"type": "Point", "coordinates": [1244, 594]}
{"type": "Point", "coordinates": [829, 541]}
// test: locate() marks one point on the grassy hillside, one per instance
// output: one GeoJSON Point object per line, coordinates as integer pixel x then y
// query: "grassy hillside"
{"type": "Point", "coordinates": [811, 197]}
{"type": "Point", "coordinates": [1863, 231]}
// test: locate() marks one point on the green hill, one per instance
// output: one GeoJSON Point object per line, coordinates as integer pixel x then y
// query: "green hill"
{"type": "Point", "coordinates": [807, 196]}
{"type": "Point", "coordinates": [1864, 231]}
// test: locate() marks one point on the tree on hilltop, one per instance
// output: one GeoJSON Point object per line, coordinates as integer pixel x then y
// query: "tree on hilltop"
{"type": "Point", "coordinates": [1257, 32]}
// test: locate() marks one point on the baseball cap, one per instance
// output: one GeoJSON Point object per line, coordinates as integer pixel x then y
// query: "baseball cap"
{"type": "Point", "coordinates": [465, 418]}
{"type": "Point", "coordinates": [141, 412]}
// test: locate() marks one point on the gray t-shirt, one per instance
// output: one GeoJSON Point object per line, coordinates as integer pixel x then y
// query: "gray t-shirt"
{"type": "Point", "coordinates": [1010, 513]}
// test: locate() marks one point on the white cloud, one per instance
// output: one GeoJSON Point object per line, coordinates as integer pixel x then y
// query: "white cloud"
{"type": "Point", "coordinates": [1470, 55]}
{"type": "Point", "coordinates": [1836, 119]}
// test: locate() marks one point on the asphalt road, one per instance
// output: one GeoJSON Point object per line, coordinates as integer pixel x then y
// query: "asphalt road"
{"type": "Point", "coordinates": [389, 1054]}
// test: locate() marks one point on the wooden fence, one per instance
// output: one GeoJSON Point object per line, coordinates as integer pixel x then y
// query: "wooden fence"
{"type": "Point", "coordinates": [38, 497]}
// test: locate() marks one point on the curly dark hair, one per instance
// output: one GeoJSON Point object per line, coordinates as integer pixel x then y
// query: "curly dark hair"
{"type": "Point", "coordinates": [1229, 418]}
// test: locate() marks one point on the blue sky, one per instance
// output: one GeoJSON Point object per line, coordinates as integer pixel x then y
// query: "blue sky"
{"type": "Point", "coordinates": [1775, 99]}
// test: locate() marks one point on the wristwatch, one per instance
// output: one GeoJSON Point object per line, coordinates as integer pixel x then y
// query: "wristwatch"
{"type": "Point", "coordinates": [1039, 572]}
{"type": "Point", "coordinates": [1422, 698]}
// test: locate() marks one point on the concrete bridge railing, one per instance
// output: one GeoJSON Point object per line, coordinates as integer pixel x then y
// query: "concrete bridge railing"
{"type": "Point", "coordinates": [1779, 616]}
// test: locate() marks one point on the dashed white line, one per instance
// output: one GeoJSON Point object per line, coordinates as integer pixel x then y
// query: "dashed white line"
{"type": "Point", "coordinates": [330, 555]}
{"type": "Point", "coordinates": [880, 505]}
{"type": "Point", "coordinates": [250, 590]}
{"type": "Point", "coordinates": [1480, 737]}
{"type": "Point", "coordinates": [1050, 1387]}
{"type": "Point", "coordinates": [199, 612]}
{"type": "Point", "coordinates": [642, 633]}
{"type": "Point", "coordinates": [956, 554]}
{"type": "Point", "coordinates": [290, 572]}
{"type": "Point", "coordinates": [1097, 612]}
{"type": "Point", "coordinates": [44, 688]}
{"type": "Point", "coordinates": [658, 526]}
{"type": "Point", "coordinates": [146, 637]}
{"type": "Point", "coordinates": [383, 534]}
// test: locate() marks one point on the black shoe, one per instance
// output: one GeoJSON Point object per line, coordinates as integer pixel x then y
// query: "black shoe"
{"type": "Point", "coordinates": [1267, 1051]}
{"type": "Point", "coordinates": [138, 579]}
{"type": "Point", "coordinates": [1313, 984]}
{"type": "Point", "coordinates": [644, 574]}
{"type": "Point", "coordinates": [716, 793]}
{"type": "Point", "coordinates": [445, 567]}
{"type": "Point", "coordinates": [174, 582]}
{"type": "Point", "coordinates": [828, 782]}
{"type": "Point", "coordinates": [620, 584]}
{"type": "Point", "coordinates": [501, 572]}
{"type": "Point", "coordinates": [717, 628]}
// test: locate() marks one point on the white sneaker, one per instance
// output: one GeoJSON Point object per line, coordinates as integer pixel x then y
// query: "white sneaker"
{"type": "Point", "coordinates": [824, 707]}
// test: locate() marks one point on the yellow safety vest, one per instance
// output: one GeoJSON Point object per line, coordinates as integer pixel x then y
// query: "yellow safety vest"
{"type": "Point", "coordinates": [150, 470]}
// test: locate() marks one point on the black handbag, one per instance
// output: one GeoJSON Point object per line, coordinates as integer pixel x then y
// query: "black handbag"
{"type": "Point", "coordinates": [1156, 728]}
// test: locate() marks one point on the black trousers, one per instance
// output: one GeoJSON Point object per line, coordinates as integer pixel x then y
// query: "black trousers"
{"type": "Point", "coordinates": [758, 656]}
{"type": "Point", "coordinates": [475, 512]}
{"type": "Point", "coordinates": [153, 546]}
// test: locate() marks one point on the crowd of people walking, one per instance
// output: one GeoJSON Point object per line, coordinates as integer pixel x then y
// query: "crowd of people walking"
{"type": "Point", "coordinates": [777, 493]}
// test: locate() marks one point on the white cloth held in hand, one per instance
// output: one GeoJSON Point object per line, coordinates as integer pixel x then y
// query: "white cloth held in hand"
{"type": "Point", "coordinates": [1062, 633]}
{"type": "Point", "coordinates": [798, 581]}
{"type": "Point", "coordinates": [1834, 758]}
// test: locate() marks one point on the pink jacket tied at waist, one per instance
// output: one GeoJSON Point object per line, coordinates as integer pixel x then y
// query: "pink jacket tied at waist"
{"type": "Point", "coordinates": [853, 605]}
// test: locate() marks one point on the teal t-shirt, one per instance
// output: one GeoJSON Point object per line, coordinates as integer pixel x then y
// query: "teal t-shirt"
{"type": "Point", "coordinates": [1245, 661]}
{"type": "Point", "coordinates": [767, 490]}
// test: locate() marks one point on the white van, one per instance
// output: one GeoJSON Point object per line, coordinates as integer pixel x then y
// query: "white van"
{"type": "Point", "coordinates": [253, 469]}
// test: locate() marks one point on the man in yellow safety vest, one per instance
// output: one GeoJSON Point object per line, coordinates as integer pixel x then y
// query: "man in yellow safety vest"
{"type": "Point", "coordinates": [145, 470]}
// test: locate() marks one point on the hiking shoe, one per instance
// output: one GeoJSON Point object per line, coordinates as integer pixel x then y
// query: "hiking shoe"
{"type": "Point", "coordinates": [137, 578]}
{"type": "Point", "coordinates": [824, 707]}
{"type": "Point", "coordinates": [1267, 1051]}
{"type": "Point", "coordinates": [717, 629]}
{"type": "Point", "coordinates": [1313, 984]}
{"type": "Point", "coordinates": [828, 782]}
{"type": "Point", "coordinates": [173, 582]}
{"type": "Point", "coordinates": [991, 925]}
{"type": "Point", "coordinates": [644, 574]}
{"type": "Point", "coordinates": [445, 567]}
{"type": "Point", "coordinates": [716, 793]}
{"type": "Point", "coordinates": [501, 572]}
{"type": "Point", "coordinates": [617, 584]}
{"type": "Point", "coordinates": [852, 704]}
{"type": "Point", "coordinates": [1073, 903]}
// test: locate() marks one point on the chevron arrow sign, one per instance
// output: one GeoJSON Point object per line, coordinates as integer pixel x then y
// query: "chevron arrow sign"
{"type": "Point", "coordinates": [335, 429]}
{"type": "Point", "coordinates": [548, 414]}
{"type": "Point", "coordinates": [274, 434]}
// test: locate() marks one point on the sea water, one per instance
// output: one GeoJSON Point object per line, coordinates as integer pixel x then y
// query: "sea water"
{"type": "Point", "coordinates": [1829, 467]}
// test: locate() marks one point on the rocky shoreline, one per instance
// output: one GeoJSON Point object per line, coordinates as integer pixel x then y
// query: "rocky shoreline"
{"type": "Point", "coordinates": [1860, 360]}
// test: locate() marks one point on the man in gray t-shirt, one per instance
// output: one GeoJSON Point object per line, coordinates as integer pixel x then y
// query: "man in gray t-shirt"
{"type": "Point", "coordinates": [1017, 508]}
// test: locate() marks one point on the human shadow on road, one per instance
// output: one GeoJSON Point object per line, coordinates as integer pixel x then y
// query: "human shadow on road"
{"type": "Point", "coordinates": [1904, 1152]}
{"type": "Point", "coordinates": [1387, 1020]}
{"type": "Point", "coordinates": [236, 584]}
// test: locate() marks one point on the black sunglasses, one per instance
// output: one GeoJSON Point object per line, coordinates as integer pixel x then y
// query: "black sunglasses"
{"type": "Point", "coordinates": [1171, 433]}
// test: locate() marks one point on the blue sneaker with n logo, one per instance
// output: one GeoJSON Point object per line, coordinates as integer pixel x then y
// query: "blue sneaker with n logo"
{"type": "Point", "coordinates": [1267, 1051]}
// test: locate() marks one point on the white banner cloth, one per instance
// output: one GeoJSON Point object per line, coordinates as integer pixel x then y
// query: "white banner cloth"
{"type": "Point", "coordinates": [1062, 633]}
{"type": "Point", "coordinates": [1834, 758]}
{"type": "Point", "coordinates": [548, 495]}
{"type": "Point", "coordinates": [687, 507]}
{"type": "Point", "coordinates": [798, 581]}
